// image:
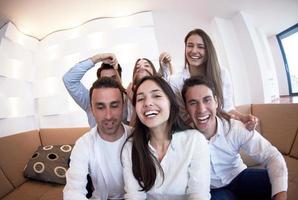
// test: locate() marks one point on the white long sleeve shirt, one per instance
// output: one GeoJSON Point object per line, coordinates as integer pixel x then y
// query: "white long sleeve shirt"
{"type": "Point", "coordinates": [226, 162]}
{"type": "Point", "coordinates": [186, 167]}
{"type": "Point", "coordinates": [76, 89]}
{"type": "Point", "coordinates": [99, 158]}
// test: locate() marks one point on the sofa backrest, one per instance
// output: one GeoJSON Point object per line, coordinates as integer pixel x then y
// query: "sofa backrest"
{"type": "Point", "coordinates": [15, 151]}
{"type": "Point", "coordinates": [279, 124]}
{"type": "Point", "coordinates": [294, 150]}
{"type": "Point", "coordinates": [5, 186]}
{"type": "Point", "coordinates": [58, 136]}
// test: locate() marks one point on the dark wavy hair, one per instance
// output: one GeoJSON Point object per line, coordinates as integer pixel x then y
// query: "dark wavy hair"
{"type": "Point", "coordinates": [212, 68]}
{"type": "Point", "coordinates": [106, 82]}
{"type": "Point", "coordinates": [144, 163]}
{"type": "Point", "coordinates": [105, 66]}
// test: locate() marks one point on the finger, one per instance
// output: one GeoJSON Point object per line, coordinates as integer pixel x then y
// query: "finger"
{"type": "Point", "coordinates": [168, 58]}
{"type": "Point", "coordinates": [249, 127]}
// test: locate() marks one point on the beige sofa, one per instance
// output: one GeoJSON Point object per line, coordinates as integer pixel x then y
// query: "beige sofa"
{"type": "Point", "coordinates": [16, 150]}
{"type": "Point", "coordinates": [278, 123]}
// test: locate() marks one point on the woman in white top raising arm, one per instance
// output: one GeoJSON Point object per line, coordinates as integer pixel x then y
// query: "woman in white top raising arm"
{"type": "Point", "coordinates": [201, 59]}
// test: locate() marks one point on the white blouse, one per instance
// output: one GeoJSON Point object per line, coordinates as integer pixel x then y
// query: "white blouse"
{"type": "Point", "coordinates": [186, 167]}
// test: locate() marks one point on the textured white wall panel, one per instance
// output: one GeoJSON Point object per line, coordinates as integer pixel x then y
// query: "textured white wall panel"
{"type": "Point", "coordinates": [12, 126]}
{"type": "Point", "coordinates": [71, 119]}
{"type": "Point", "coordinates": [16, 107]}
{"type": "Point", "coordinates": [53, 105]}
{"type": "Point", "coordinates": [16, 88]}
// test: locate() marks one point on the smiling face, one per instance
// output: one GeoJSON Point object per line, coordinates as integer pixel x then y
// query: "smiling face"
{"type": "Point", "coordinates": [107, 107]}
{"type": "Point", "coordinates": [201, 106]}
{"type": "Point", "coordinates": [143, 68]}
{"type": "Point", "coordinates": [195, 51]}
{"type": "Point", "coordinates": [152, 105]}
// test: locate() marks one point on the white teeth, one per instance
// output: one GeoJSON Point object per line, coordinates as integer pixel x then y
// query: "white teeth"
{"type": "Point", "coordinates": [151, 113]}
{"type": "Point", "coordinates": [203, 119]}
{"type": "Point", "coordinates": [195, 57]}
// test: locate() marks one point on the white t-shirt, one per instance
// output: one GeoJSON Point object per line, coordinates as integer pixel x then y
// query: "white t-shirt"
{"type": "Point", "coordinates": [111, 157]}
{"type": "Point", "coordinates": [92, 155]}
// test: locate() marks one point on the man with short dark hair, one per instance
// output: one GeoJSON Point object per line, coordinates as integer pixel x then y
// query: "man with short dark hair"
{"type": "Point", "coordinates": [230, 177]}
{"type": "Point", "coordinates": [72, 80]}
{"type": "Point", "coordinates": [97, 152]}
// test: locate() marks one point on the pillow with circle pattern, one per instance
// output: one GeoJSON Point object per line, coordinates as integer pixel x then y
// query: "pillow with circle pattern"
{"type": "Point", "coordinates": [49, 163]}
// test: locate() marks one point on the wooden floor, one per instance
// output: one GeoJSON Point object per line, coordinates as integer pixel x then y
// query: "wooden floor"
{"type": "Point", "coordinates": [287, 99]}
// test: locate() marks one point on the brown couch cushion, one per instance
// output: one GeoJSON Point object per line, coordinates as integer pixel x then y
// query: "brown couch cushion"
{"type": "Point", "coordinates": [278, 123]}
{"type": "Point", "coordinates": [61, 135]}
{"type": "Point", "coordinates": [5, 186]}
{"type": "Point", "coordinates": [294, 151]}
{"type": "Point", "coordinates": [49, 164]}
{"type": "Point", "coordinates": [33, 190]}
{"type": "Point", "coordinates": [15, 151]}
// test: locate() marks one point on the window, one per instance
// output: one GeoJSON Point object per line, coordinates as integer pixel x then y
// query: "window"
{"type": "Point", "coordinates": [288, 42]}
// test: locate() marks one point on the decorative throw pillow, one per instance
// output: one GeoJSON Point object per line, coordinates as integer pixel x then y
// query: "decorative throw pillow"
{"type": "Point", "coordinates": [49, 163]}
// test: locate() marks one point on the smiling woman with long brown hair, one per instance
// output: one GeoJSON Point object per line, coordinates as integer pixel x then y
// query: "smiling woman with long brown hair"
{"type": "Point", "coordinates": [161, 158]}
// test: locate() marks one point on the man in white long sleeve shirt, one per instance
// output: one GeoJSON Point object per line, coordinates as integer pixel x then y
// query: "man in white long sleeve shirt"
{"type": "Point", "coordinates": [230, 177]}
{"type": "Point", "coordinates": [97, 152]}
{"type": "Point", "coordinates": [80, 94]}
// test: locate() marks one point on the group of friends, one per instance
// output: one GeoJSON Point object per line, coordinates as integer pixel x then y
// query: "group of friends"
{"type": "Point", "coordinates": [168, 136]}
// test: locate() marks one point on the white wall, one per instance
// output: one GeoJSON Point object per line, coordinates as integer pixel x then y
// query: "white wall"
{"type": "Point", "coordinates": [32, 73]}
{"type": "Point", "coordinates": [33, 96]}
{"type": "Point", "coordinates": [279, 66]}
{"type": "Point", "coordinates": [17, 75]}
{"type": "Point", "coordinates": [241, 47]}
{"type": "Point", "coordinates": [170, 28]}
{"type": "Point", "coordinates": [230, 56]}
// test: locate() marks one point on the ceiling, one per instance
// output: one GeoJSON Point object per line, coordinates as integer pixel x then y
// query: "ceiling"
{"type": "Point", "coordinates": [39, 18]}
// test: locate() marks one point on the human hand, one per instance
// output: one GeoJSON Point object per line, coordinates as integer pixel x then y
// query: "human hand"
{"type": "Point", "coordinates": [108, 58]}
{"type": "Point", "coordinates": [164, 58]}
{"type": "Point", "coordinates": [250, 121]}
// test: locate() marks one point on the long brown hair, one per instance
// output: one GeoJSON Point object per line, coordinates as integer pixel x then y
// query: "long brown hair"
{"type": "Point", "coordinates": [144, 163]}
{"type": "Point", "coordinates": [134, 81]}
{"type": "Point", "coordinates": [212, 68]}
